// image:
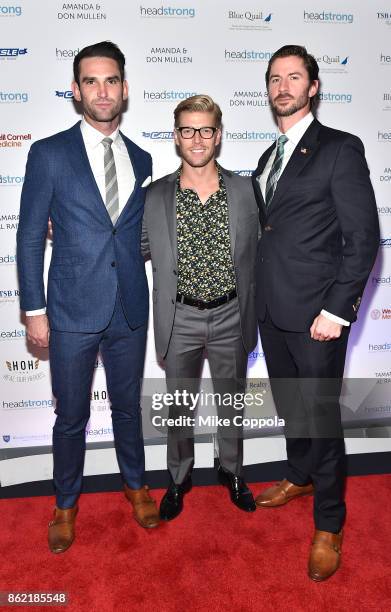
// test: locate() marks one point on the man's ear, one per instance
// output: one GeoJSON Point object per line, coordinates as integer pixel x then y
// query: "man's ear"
{"type": "Point", "coordinates": [313, 89]}
{"type": "Point", "coordinates": [76, 91]}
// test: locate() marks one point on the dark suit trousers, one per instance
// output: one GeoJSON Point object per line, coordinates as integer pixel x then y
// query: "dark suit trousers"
{"type": "Point", "coordinates": [306, 378]}
{"type": "Point", "coordinates": [72, 361]}
{"type": "Point", "coordinates": [218, 332]}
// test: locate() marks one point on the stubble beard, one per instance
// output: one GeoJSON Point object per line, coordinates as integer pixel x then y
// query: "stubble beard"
{"type": "Point", "coordinates": [288, 111]}
{"type": "Point", "coordinates": [197, 163]}
{"type": "Point", "coordinates": [101, 116]}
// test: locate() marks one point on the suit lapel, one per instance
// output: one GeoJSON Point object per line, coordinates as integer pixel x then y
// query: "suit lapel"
{"type": "Point", "coordinates": [78, 158]}
{"type": "Point", "coordinates": [257, 188]}
{"type": "Point", "coordinates": [300, 157]}
{"type": "Point", "coordinates": [169, 198]}
{"type": "Point", "coordinates": [137, 162]}
{"type": "Point", "coordinates": [139, 171]}
{"type": "Point", "coordinates": [79, 161]}
{"type": "Point", "coordinates": [233, 200]}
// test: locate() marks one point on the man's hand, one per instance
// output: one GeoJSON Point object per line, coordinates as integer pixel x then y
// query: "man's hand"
{"type": "Point", "coordinates": [323, 329]}
{"type": "Point", "coordinates": [38, 330]}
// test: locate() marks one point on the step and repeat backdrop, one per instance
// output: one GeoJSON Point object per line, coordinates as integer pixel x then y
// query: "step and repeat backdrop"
{"type": "Point", "coordinates": [173, 49]}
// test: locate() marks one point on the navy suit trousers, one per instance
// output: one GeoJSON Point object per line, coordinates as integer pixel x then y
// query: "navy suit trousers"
{"type": "Point", "coordinates": [306, 377]}
{"type": "Point", "coordinates": [72, 361]}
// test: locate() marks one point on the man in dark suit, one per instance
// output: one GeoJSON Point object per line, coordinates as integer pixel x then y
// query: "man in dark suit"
{"type": "Point", "coordinates": [201, 232]}
{"type": "Point", "coordinates": [320, 239]}
{"type": "Point", "coordinates": [90, 181]}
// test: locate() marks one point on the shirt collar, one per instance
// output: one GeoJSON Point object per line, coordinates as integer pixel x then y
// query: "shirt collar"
{"type": "Point", "coordinates": [296, 132]}
{"type": "Point", "coordinates": [221, 180]}
{"type": "Point", "coordinates": [93, 137]}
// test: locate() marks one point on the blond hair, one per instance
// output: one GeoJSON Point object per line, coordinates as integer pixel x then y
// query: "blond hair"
{"type": "Point", "coordinates": [198, 104]}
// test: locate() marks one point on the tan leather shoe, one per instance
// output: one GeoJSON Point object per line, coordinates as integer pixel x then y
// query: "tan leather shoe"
{"type": "Point", "coordinates": [281, 494]}
{"type": "Point", "coordinates": [325, 555]}
{"type": "Point", "coordinates": [62, 529]}
{"type": "Point", "coordinates": [144, 507]}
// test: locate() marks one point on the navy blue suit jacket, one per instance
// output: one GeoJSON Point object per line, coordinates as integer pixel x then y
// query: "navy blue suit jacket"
{"type": "Point", "coordinates": [91, 258]}
{"type": "Point", "coordinates": [320, 234]}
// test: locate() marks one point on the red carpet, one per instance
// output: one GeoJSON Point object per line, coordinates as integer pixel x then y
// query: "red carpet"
{"type": "Point", "coordinates": [211, 558]}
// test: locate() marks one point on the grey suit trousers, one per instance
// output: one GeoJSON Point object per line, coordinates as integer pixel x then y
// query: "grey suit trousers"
{"type": "Point", "coordinates": [216, 331]}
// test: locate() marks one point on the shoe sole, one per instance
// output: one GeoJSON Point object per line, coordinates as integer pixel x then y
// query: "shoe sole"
{"type": "Point", "coordinates": [58, 551]}
{"type": "Point", "coordinates": [171, 518]}
{"type": "Point", "coordinates": [244, 509]}
{"type": "Point", "coordinates": [317, 579]}
{"type": "Point", "coordinates": [146, 526]}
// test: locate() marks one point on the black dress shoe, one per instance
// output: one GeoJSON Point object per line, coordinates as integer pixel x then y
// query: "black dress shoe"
{"type": "Point", "coordinates": [172, 501]}
{"type": "Point", "coordinates": [241, 495]}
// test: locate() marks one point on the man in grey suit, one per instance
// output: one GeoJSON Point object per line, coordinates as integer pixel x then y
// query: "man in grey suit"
{"type": "Point", "coordinates": [201, 232]}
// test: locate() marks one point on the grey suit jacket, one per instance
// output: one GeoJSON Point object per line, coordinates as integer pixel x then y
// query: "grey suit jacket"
{"type": "Point", "coordinates": [159, 242]}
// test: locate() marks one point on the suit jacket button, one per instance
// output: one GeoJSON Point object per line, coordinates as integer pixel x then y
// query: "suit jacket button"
{"type": "Point", "coordinates": [174, 272]}
{"type": "Point", "coordinates": [113, 264]}
{"type": "Point", "coordinates": [114, 232]}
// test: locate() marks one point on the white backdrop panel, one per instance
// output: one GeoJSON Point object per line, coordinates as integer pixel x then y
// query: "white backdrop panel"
{"type": "Point", "coordinates": [175, 49]}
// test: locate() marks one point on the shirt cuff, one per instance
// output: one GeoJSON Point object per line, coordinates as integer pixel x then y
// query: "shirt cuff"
{"type": "Point", "coordinates": [334, 318]}
{"type": "Point", "coordinates": [34, 313]}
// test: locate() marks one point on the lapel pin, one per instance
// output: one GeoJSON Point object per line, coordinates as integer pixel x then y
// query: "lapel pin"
{"type": "Point", "coordinates": [303, 150]}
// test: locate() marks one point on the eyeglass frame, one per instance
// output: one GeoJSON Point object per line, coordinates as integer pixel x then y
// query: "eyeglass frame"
{"type": "Point", "coordinates": [195, 130]}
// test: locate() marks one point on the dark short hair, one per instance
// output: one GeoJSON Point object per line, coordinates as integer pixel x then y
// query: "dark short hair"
{"type": "Point", "coordinates": [196, 104]}
{"type": "Point", "coordinates": [101, 49]}
{"type": "Point", "coordinates": [310, 62]}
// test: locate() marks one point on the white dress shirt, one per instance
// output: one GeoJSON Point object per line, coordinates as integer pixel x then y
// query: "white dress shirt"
{"type": "Point", "coordinates": [294, 135]}
{"type": "Point", "coordinates": [95, 152]}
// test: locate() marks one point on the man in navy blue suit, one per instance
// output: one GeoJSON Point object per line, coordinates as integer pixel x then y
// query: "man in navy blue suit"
{"type": "Point", "coordinates": [90, 181]}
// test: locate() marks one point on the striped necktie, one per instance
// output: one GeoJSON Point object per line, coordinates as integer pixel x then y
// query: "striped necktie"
{"type": "Point", "coordinates": [112, 203]}
{"type": "Point", "coordinates": [275, 170]}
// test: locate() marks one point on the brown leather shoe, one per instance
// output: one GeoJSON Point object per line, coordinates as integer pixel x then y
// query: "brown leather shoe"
{"type": "Point", "coordinates": [62, 529]}
{"type": "Point", "coordinates": [282, 493]}
{"type": "Point", "coordinates": [144, 507]}
{"type": "Point", "coordinates": [325, 555]}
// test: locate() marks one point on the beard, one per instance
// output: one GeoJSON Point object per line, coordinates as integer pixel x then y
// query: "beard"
{"type": "Point", "coordinates": [296, 105]}
{"type": "Point", "coordinates": [102, 114]}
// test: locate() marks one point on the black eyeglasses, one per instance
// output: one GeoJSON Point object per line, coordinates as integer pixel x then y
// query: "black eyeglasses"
{"type": "Point", "coordinates": [189, 132]}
